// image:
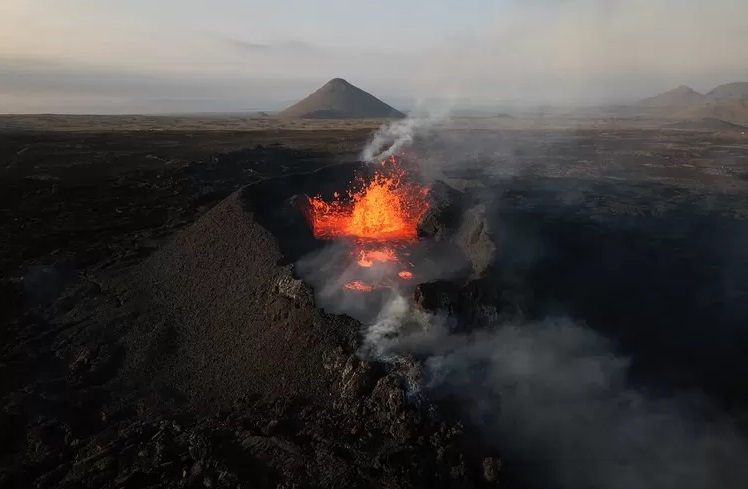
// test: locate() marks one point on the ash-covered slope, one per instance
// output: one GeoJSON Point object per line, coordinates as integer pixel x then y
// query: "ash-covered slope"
{"type": "Point", "coordinates": [224, 317]}
{"type": "Point", "coordinates": [338, 99]}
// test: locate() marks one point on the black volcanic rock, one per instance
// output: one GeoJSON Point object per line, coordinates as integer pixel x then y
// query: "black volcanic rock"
{"type": "Point", "coordinates": [338, 99]}
{"type": "Point", "coordinates": [474, 239]}
{"type": "Point", "coordinates": [443, 215]}
{"type": "Point", "coordinates": [453, 217]}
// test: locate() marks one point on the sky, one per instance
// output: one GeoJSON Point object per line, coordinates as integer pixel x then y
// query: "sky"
{"type": "Point", "coordinates": [146, 56]}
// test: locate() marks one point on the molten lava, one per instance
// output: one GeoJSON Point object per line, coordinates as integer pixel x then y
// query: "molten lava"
{"type": "Point", "coordinates": [379, 217]}
{"type": "Point", "coordinates": [368, 258]}
{"type": "Point", "coordinates": [358, 286]}
{"type": "Point", "coordinates": [387, 208]}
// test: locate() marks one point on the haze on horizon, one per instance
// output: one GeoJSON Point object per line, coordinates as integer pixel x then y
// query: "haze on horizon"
{"type": "Point", "coordinates": [145, 56]}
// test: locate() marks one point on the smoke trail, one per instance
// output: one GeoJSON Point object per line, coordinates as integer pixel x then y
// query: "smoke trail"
{"type": "Point", "coordinates": [556, 396]}
{"type": "Point", "coordinates": [392, 138]}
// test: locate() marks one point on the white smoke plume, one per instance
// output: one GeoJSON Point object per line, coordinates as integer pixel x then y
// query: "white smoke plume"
{"type": "Point", "coordinates": [328, 270]}
{"type": "Point", "coordinates": [394, 137]}
{"type": "Point", "coordinates": [556, 397]}
{"type": "Point", "coordinates": [396, 320]}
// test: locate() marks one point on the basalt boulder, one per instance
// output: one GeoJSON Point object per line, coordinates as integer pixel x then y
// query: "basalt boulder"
{"type": "Point", "coordinates": [453, 217]}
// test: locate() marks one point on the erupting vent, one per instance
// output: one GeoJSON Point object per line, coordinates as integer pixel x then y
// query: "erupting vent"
{"type": "Point", "coordinates": [387, 208]}
{"type": "Point", "coordinates": [379, 217]}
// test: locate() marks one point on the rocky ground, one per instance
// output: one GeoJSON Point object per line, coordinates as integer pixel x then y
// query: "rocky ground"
{"type": "Point", "coordinates": [153, 333]}
{"type": "Point", "coordinates": [105, 386]}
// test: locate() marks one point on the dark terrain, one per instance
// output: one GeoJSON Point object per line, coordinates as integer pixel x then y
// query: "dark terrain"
{"type": "Point", "coordinates": [154, 334]}
{"type": "Point", "coordinates": [100, 389]}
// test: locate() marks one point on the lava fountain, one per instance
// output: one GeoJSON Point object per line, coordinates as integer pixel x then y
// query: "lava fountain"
{"type": "Point", "coordinates": [378, 217]}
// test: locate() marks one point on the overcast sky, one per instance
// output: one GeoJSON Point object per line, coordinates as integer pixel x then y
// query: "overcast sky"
{"type": "Point", "coordinates": [109, 56]}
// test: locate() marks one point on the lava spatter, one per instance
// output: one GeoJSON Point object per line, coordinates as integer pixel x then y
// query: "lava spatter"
{"type": "Point", "coordinates": [379, 216]}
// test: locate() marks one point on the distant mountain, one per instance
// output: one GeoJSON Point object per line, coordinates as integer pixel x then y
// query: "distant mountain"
{"type": "Point", "coordinates": [338, 99]}
{"type": "Point", "coordinates": [727, 102]}
{"type": "Point", "coordinates": [737, 90]}
{"type": "Point", "coordinates": [682, 96]}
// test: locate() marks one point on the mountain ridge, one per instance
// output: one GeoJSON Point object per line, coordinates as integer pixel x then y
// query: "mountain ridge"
{"type": "Point", "coordinates": [728, 102]}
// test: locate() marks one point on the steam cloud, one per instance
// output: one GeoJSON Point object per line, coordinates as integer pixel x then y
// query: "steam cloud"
{"type": "Point", "coordinates": [392, 138]}
{"type": "Point", "coordinates": [555, 395]}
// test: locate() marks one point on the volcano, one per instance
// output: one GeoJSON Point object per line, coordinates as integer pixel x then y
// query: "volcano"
{"type": "Point", "coordinates": [338, 99]}
{"type": "Point", "coordinates": [218, 322]}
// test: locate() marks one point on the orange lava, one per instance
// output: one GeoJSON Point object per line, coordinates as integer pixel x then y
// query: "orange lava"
{"type": "Point", "coordinates": [386, 208]}
{"type": "Point", "coordinates": [378, 218]}
{"type": "Point", "coordinates": [358, 286]}
{"type": "Point", "coordinates": [368, 258]}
